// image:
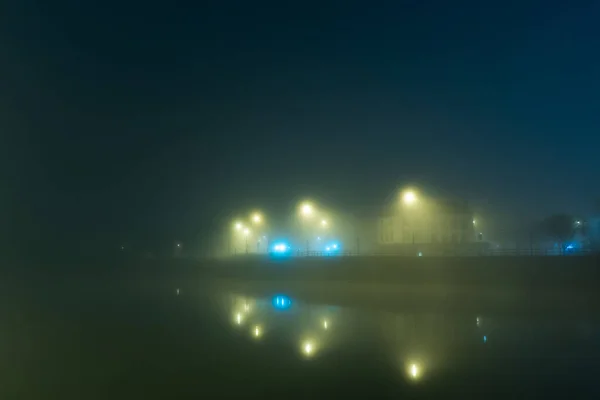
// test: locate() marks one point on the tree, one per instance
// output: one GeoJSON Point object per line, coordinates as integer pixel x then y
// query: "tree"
{"type": "Point", "coordinates": [559, 227]}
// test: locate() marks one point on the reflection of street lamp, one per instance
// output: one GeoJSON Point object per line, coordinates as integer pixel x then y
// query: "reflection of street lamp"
{"type": "Point", "coordinates": [256, 332]}
{"type": "Point", "coordinates": [414, 370]}
{"type": "Point", "coordinates": [308, 348]}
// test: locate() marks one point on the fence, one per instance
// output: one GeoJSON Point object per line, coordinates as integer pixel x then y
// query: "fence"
{"type": "Point", "coordinates": [534, 252]}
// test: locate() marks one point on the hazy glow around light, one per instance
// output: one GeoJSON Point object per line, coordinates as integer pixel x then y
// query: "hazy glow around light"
{"type": "Point", "coordinates": [238, 318]}
{"type": "Point", "coordinates": [306, 209]}
{"type": "Point", "coordinates": [414, 370]}
{"type": "Point", "coordinates": [256, 218]}
{"type": "Point", "coordinates": [308, 348]}
{"type": "Point", "coordinates": [325, 324]}
{"type": "Point", "coordinates": [282, 302]}
{"type": "Point", "coordinates": [324, 223]}
{"type": "Point", "coordinates": [238, 226]}
{"type": "Point", "coordinates": [257, 331]}
{"type": "Point", "coordinates": [409, 197]}
{"type": "Point", "coordinates": [246, 231]}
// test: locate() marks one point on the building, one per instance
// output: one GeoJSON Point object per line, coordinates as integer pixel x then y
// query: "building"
{"type": "Point", "coordinates": [427, 221]}
{"type": "Point", "coordinates": [593, 232]}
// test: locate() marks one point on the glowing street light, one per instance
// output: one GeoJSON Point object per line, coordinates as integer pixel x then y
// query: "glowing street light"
{"type": "Point", "coordinates": [256, 218]}
{"type": "Point", "coordinates": [324, 223]}
{"type": "Point", "coordinates": [238, 226]}
{"type": "Point", "coordinates": [306, 209]}
{"type": "Point", "coordinates": [246, 231]}
{"type": "Point", "coordinates": [409, 197]}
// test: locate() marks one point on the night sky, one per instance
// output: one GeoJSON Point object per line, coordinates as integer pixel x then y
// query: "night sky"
{"type": "Point", "coordinates": [152, 120]}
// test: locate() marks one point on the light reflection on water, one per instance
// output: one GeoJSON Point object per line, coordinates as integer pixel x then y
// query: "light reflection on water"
{"type": "Point", "coordinates": [415, 345]}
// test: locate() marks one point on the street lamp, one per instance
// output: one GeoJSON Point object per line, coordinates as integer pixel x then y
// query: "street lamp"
{"type": "Point", "coordinates": [238, 226]}
{"type": "Point", "coordinates": [306, 209]}
{"type": "Point", "coordinates": [246, 233]}
{"type": "Point", "coordinates": [256, 218]}
{"type": "Point", "coordinates": [409, 197]}
{"type": "Point", "coordinates": [324, 223]}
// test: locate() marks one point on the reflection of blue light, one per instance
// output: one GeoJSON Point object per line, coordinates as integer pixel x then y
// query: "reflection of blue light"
{"type": "Point", "coordinates": [281, 302]}
{"type": "Point", "coordinates": [485, 339]}
{"type": "Point", "coordinates": [570, 247]}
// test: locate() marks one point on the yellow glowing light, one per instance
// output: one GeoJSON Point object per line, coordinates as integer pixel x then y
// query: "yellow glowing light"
{"type": "Point", "coordinates": [306, 209]}
{"type": "Point", "coordinates": [324, 223]}
{"type": "Point", "coordinates": [474, 222]}
{"type": "Point", "coordinates": [257, 331]}
{"type": "Point", "coordinates": [238, 226]}
{"type": "Point", "coordinates": [238, 318]}
{"type": "Point", "coordinates": [308, 348]}
{"type": "Point", "coordinates": [414, 370]}
{"type": "Point", "coordinates": [256, 218]}
{"type": "Point", "coordinates": [246, 231]}
{"type": "Point", "coordinates": [325, 324]}
{"type": "Point", "coordinates": [409, 197]}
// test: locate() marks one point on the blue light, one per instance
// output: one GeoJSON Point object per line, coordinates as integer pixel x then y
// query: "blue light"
{"type": "Point", "coordinates": [281, 302]}
{"type": "Point", "coordinates": [570, 247]}
{"type": "Point", "coordinates": [485, 339]}
{"type": "Point", "coordinates": [280, 248]}
{"type": "Point", "coordinates": [332, 247]}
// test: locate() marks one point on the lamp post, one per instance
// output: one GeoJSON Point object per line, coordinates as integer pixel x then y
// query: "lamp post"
{"type": "Point", "coordinates": [410, 199]}
{"type": "Point", "coordinates": [306, 212]}
{"type": "Point", "coordinates": [246, 233]}
{"type": "Point", "coordinates": [257, 220]}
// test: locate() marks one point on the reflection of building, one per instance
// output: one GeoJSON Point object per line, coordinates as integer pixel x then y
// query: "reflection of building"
{"type": "Point", "coordinates": [431, 221]}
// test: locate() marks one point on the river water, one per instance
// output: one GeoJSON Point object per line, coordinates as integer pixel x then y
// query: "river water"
{"type": "Point", "coordinates": [122, 342]}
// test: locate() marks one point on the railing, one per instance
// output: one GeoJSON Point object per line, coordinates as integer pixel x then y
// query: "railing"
{"type": "Point", "coordinates": [534, 252]}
